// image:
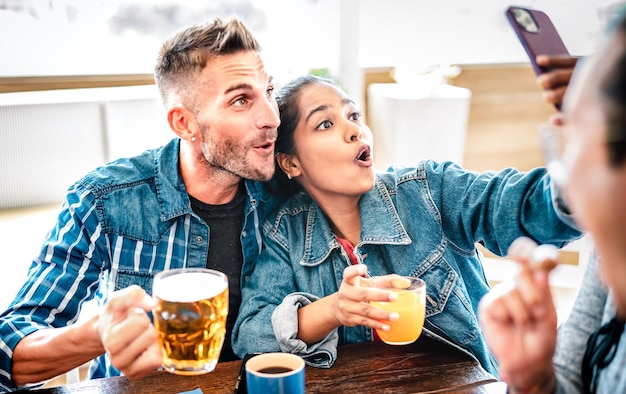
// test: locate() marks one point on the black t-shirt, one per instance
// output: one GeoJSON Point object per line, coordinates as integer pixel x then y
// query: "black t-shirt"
{"type": "Point", "coordinates": [225, 253]}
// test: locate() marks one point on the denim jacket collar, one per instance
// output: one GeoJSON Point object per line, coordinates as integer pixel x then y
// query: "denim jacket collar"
{"type": "Point", "coordinates": [171, 191]}
{"type": "Point", "coordinates": [376, 207]}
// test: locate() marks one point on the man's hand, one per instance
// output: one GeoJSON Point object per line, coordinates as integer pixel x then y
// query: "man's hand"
{"type": "Point", "coordinates": [127, 333]}
{"type": "Point", "coordinates": [519, 319]}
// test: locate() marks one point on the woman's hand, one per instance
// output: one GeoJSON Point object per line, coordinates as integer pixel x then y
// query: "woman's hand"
{"type": "Point", "coordinates": [349, 306]}
{"type": "Point", "coordinates": [519, 318]}
{"type": "Point", "coordinates": [351, 303]}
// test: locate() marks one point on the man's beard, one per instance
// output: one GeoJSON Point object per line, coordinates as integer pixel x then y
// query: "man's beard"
{"type": "Point", "coordinates": [230, 156]}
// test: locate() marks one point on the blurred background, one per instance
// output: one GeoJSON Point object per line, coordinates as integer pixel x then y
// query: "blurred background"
{"type": "Point", "coordinates": [65, 37]}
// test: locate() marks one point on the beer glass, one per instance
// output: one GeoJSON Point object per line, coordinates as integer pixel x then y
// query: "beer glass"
{"type": "Point", "coordinates": [190, 318]}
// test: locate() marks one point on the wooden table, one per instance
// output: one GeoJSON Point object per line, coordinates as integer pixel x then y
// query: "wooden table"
{"type": "Point", "coordinates": [427, 366]}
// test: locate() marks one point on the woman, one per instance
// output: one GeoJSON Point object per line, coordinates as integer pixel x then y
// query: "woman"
{"type": "Point", "coordinates": [304, 295]}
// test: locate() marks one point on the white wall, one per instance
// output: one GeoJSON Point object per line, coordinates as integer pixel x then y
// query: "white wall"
{"type": "Point", "coordinates": [466, 32]}
{"type": "Point", "coordinates": [298, 34]}
{"type": "Point", "coordinates": [306, 34]}
{"type": "Point", "coordinates": [51, 139]}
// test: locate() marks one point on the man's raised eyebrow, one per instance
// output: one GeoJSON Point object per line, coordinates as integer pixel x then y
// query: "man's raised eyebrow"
{"type": "Point", "coordinates": [241, 86]}
{"type": "Point", "coordinates": [245, 86]}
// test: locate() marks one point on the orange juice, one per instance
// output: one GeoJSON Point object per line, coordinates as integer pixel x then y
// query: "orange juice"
{"type": "Point", "coordinates": [411, 307]}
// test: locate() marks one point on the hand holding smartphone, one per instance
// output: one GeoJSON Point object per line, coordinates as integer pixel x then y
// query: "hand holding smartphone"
{"type": "Point", "coordinates": [538, 36]}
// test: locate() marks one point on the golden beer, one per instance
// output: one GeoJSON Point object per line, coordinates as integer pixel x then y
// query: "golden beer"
{"type": "Point", "coordinates": [190, 318]}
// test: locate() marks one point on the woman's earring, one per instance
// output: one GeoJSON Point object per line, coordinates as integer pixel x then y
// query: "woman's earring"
{"type": "Point", "coordinates": [193, 138]}
{"type": "Point", "coordinates": [289, 176]}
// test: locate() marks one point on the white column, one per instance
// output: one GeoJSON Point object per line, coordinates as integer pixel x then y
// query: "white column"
{"type": "Point", "coordinates": [350, 72]}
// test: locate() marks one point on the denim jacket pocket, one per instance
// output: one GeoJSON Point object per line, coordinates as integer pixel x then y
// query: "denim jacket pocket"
{"type": "Point", "coordinates": [448, 311]}
{"type": "Point", "coordinates": [440, 280]}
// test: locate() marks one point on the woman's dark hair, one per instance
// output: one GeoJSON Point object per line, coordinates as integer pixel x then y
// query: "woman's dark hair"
{"type": "Point", "coordinates": [288, 99]}
{"type": "Point", "coordinates": [613, 91]}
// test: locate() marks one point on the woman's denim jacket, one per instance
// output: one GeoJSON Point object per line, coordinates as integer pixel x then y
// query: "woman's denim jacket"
{"type": "Point", "coordinates": [421, 221]}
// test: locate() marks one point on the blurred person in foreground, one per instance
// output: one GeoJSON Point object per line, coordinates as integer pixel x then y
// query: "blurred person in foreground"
{"type": "Point", "coordinates": [345, 220]}
{"type": "Point", "coordinates": [196, 202]}
{"type": "Point", "coordinates": [588, 353]}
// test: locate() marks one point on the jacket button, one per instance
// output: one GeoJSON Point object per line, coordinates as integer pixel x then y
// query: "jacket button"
{"type": "Point", "coordinates": [199, 239]}
{"type": "Point", "coordinates": [244, 233]}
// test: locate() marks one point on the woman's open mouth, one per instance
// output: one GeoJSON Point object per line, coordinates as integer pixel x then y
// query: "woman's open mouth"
{"type": "Point", "coordinates": [364, 157]}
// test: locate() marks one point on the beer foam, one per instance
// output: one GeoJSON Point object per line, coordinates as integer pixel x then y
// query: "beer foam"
{"type": "Point", "coordinates": [188, 287]}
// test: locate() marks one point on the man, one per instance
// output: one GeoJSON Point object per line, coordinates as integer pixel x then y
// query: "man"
{"type": "Point", "coordinates": [519, 319]}
{"type": "Point", "coordinates": [194, 202]}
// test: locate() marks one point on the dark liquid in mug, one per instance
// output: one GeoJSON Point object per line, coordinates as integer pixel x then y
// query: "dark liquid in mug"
{"type": "Point", "coordinates": [274, 370]}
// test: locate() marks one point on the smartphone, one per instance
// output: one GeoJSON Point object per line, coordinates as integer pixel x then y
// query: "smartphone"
{"type": "Point", "coordinates": [537, 34]}
{"type": "Point", "coordinates": [241, 387]}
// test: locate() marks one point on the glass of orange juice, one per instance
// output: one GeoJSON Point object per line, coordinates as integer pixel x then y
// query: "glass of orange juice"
{"type": "Point", "coordinates": [410, 306]}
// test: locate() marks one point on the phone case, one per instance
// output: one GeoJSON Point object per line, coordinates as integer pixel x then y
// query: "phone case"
{"type": "Point", "coordinates": [537, 34]}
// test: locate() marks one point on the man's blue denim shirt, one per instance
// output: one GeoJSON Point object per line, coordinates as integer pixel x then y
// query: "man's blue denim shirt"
{"type": "Point", "coordinates": [422, 221]}
{"type": "Point", "coordinates": [119, 226]}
